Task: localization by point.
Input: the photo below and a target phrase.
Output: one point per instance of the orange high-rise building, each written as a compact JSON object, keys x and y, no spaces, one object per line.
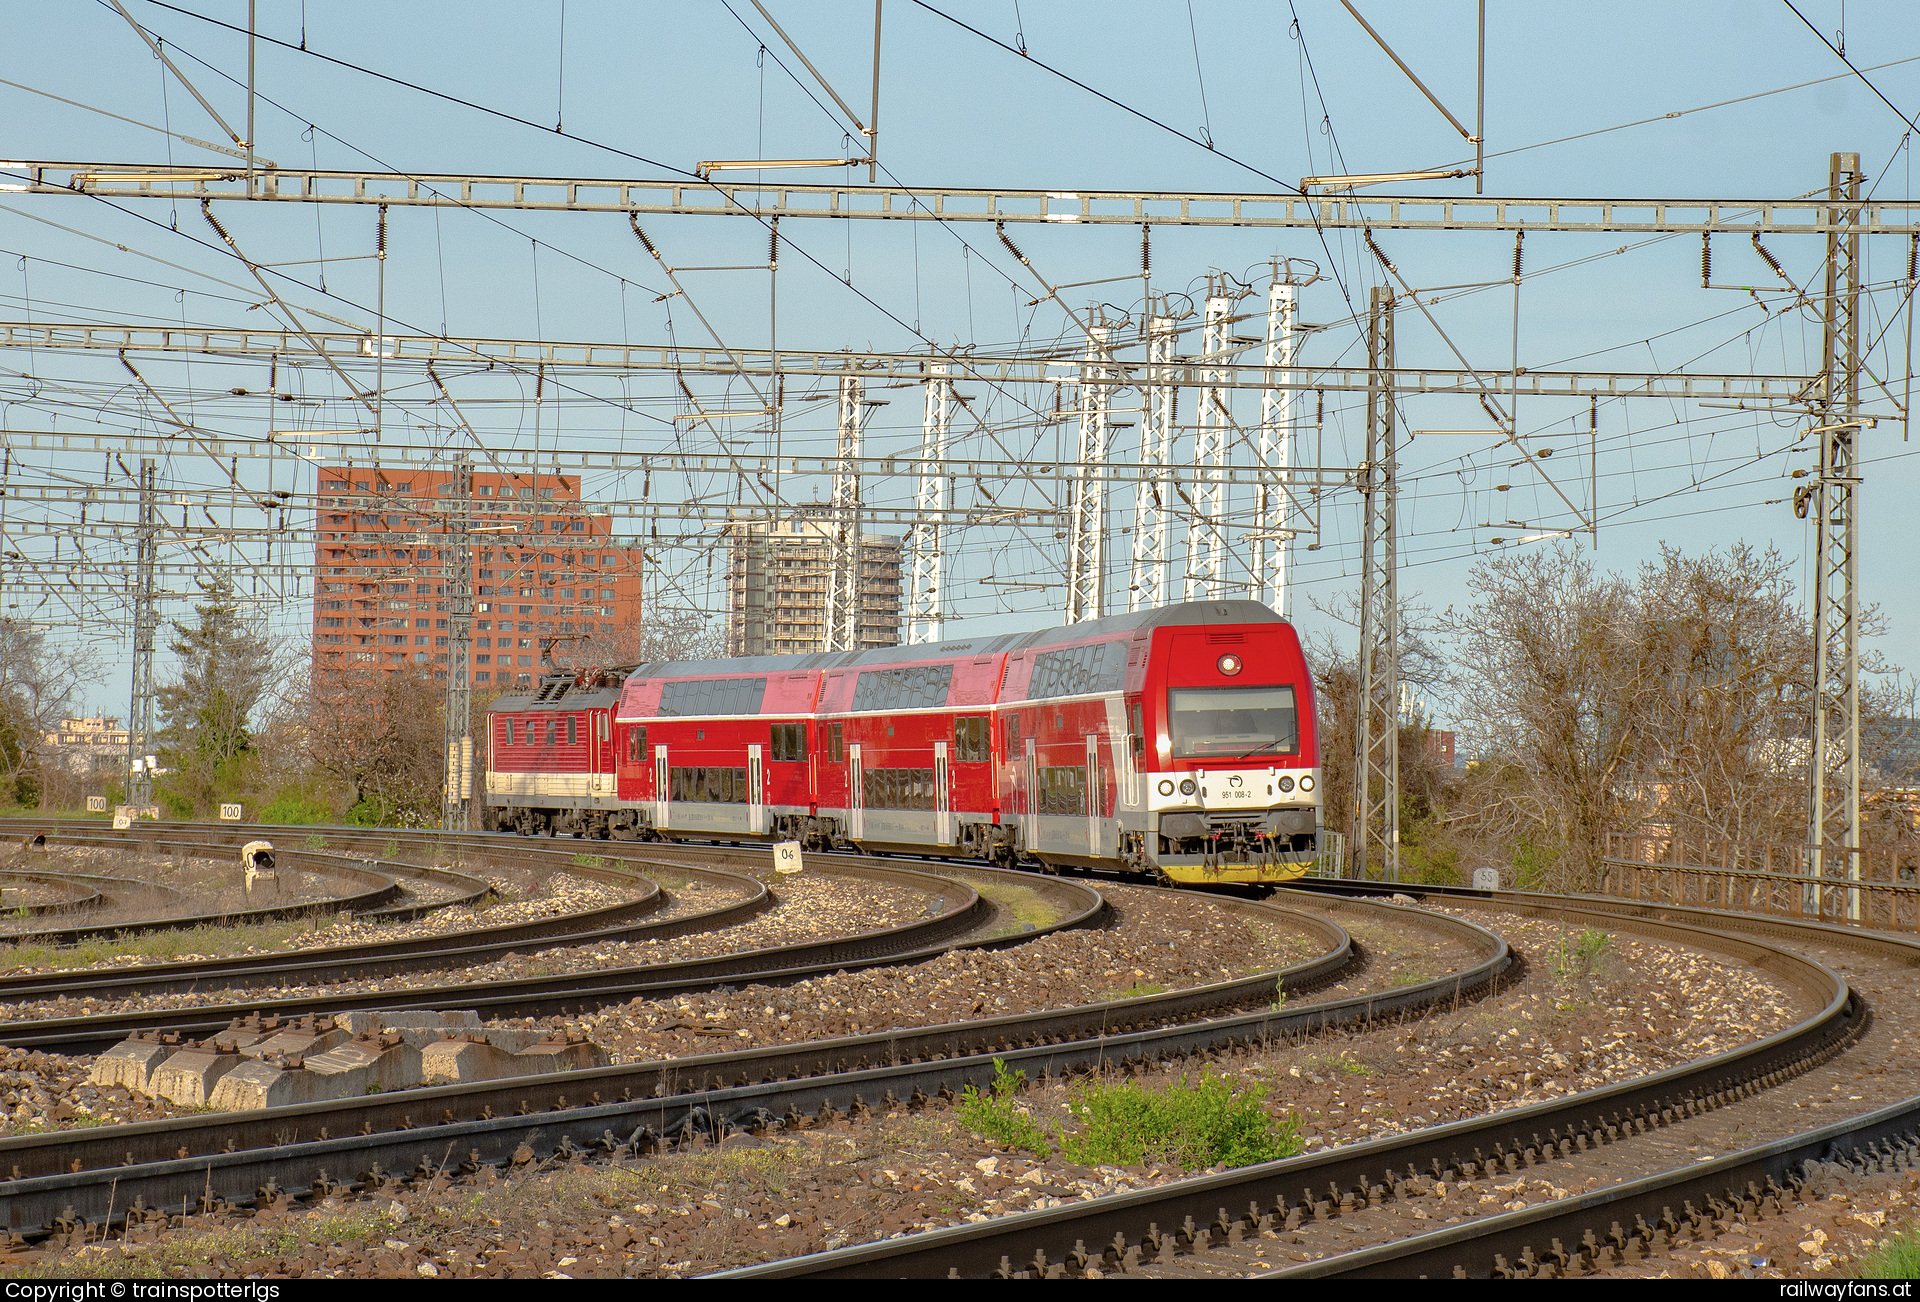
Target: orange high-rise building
{"x":544,"y":565}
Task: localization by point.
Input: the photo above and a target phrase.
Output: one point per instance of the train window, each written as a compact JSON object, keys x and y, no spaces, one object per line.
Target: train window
{"x":1063,"y":790}
{"x":970,"y":739}
{"x":553,"y":731}
{"x":603,"y":724}
{"x":1139,"y":732}
{"x":510,"y":731}
{"x":1013,"y":734}
{"x":1079,"y":671}
{"x":573,"y":731}
{"x":708,"y":785}
{"x":1208,"y":721}
{"x":899,"y":789}
{"x":637,"y":745}
{"x":836,"y":745}
{"x":712,"y":696}
{"x":789,"y":741}
{"x":923,"y":687}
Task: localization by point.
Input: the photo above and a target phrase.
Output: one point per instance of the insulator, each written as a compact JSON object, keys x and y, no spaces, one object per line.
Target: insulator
{"x":380,"y":233}
{"x":1519,"y":241}
{"x":206,"y":210}
{"x":773,"y":243}
{"x":1387,"y":262}
{"x":1146,"y":250}
{"x":1593,"y":414}
{"x":1913,"y":259}
{"x":1000,"y":229}
{"x":634,"y":219}
{"x":1706,"y":259}
{"x":1774,"y":262}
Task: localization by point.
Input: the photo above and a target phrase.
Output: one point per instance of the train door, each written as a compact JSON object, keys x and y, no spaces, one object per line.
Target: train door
{"x":856,"y":795}
{"x":942,"y":800}
{"x":1096,"y":791}
{"x":756,"y":791}
{"x":662,"y":792}
{"x":1031,"y":820}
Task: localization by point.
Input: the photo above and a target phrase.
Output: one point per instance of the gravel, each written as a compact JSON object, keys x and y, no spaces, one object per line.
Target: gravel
{"x":1159,"y":941}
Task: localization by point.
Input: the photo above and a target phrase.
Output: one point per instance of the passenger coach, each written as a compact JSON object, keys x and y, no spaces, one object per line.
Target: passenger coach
{"x":1177,"y":742}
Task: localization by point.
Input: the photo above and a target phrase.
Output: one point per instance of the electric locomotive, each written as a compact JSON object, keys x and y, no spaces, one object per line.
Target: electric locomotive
{"x":549,"y":756}
{"x":1177,"y":742}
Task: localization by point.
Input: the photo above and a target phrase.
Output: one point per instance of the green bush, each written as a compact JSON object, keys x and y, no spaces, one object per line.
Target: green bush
{"x":1577,"y":956}
{"x":1193,"y":1124}
{"x":994,"y":1115}
{"x":296,"y":807}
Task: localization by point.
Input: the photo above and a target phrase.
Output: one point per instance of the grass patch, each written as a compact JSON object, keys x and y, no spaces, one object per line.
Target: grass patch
{"x":1191,"y":1123}
{"x":590,"y":861}
{"x":1028,"y":906}
{"x":1343,"y":1067}
{"x":1578,"y":956}
{"x":164,"y":945}
{"x":1140,"y":989}
{"x":1897,"y":1258}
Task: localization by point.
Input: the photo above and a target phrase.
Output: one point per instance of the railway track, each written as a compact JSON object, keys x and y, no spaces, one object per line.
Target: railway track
{"x":1210,"y":1226}
{"x":361,"y":1142}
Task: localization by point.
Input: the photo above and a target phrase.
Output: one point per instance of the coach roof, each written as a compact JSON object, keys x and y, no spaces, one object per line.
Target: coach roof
{"x":1184,"y":613}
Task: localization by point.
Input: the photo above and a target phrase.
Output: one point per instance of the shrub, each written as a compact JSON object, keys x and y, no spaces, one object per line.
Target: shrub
{"x":1194,"y":1124}
{"x":297,"y":808}
{"x":996,"y":1116}
{"x":1578,"y":956}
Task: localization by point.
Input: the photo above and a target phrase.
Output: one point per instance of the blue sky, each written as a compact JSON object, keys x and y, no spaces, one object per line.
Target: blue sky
{"x":675,"y":84}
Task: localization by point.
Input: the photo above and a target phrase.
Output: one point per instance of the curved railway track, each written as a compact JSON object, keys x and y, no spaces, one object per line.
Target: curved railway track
{"x":251,"y":1156}
{"x":360,"y":1142}
{"x":1182,"y":1228}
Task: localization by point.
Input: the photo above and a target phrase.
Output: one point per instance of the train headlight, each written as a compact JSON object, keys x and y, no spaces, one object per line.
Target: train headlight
{"x":1286,"y":784}
{"x":1306,"y":783}
{"x":1188,"y":786}
{"x":1166,"y":786}
{"x":1230,"y":664}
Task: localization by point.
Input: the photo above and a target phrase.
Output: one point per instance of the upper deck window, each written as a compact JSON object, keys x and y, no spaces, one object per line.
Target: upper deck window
{"x":1233,"y":721}
{"x":923,"y":687}
{"x":686,"y":696}
{"x":1078,"y":671}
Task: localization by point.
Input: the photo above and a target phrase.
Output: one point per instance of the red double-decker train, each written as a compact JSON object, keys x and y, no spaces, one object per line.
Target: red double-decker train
{"x":1177,"y":743}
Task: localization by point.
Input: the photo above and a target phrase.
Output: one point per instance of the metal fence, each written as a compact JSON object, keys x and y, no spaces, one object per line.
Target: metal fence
{"x":1659,"y":868}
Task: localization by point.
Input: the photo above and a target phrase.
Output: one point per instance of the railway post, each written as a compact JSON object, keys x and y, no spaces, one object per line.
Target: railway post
{"x":1834,"y":768}
{"x":1376,"y":752}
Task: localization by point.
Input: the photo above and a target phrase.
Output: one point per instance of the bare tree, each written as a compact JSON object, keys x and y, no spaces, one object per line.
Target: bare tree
{"x":38,"y":687}
{"x":381,"y":735}
{"x":1551,"y":684}
{"x":1729,"y":657}
{"x":667,"y":633}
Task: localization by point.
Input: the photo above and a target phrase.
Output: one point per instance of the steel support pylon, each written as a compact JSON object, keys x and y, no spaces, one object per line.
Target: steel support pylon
{"x":146,"y":628}
{"x":1834,"y":773}
{"x":843,"y":528}
{"x":1152,"y":516}
{"x":1267,"y":580}
{"x":1087,"y":491}
{"x":1207,"y":529}
{"x":927,"y":562}
{"x":456,"y":809}
{"x":1375,"y":840}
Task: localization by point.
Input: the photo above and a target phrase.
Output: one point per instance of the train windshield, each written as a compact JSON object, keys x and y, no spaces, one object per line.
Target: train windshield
{"x":1211,"y":721}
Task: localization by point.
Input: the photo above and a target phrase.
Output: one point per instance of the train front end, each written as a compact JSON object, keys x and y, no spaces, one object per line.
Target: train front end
{"x":1233,"y":781}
